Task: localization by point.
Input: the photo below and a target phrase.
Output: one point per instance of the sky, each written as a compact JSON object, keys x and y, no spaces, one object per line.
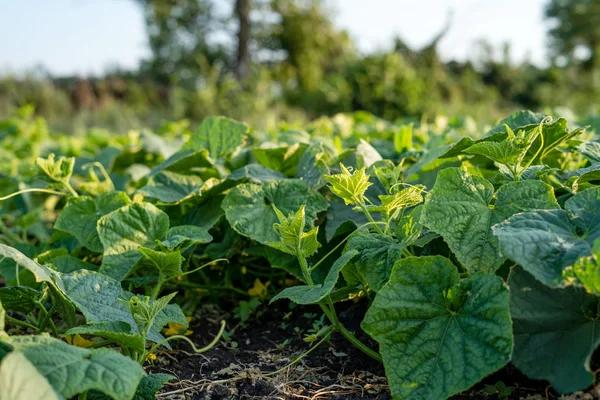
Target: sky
{"x":86,"y":37}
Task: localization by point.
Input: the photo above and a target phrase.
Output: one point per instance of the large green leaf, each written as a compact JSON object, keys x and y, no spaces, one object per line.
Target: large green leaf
{"x":556,"y":331}
{"x":80,"y":217}
{"x":248,"y":207}
{"x":283,"y":159}
{"x":19,"y":380}
{"x":439,"y":335}
{"x":377,"y":254}
{"x":460,"y":208}
{"x":312,"y":294}
{"x":219,"y":135}
{"x":544,"y":243}
{"x":123,"y":231}
{"x":72,"y":370}
{"x":172,"y":188}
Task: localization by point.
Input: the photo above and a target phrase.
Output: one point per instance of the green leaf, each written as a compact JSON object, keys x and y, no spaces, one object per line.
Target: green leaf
{"x":312,"y":294}
{"x":172,"y":188}
{"x":20,"y":380}
{"x":312,"y":166}
{"x":118,"y":332}
{"x":459,"y":207}
{"x":80,"y":217}
{"x":377,"y":255}
{"x":351,"y":187}
{"x":19,"y":298}
{"x":255,"y":173}
{"x":123,"y":231}
{"x":248,"y":207}
{"x":167,"y":263}
{"x":544,"y":243}
{"x":145,"y":310}
{"x":283,"y":159}
{"x":150,"y":385}
{"x":219,"y":135}
{"x":403,"y":138}
{"x":591,"y":150}
{"x":585,"y":272}
{"x":40,"y":273}
{"x":439,"y":335}
{"x":99,"y":298}
{"x":184,"y":162}
{"x":292,"y":238}
{"x":510,"y":151}
{"x":184,"y":236}
{"x":556,"y":332}
{"x":72,"y":370}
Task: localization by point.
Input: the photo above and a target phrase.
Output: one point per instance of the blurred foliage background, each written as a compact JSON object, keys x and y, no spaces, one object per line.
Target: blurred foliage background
{"x":275,"y":60}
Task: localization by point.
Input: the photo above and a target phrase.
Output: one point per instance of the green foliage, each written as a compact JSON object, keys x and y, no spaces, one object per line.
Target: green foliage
{"x":337,"y":204}
{"x":439,"y":335}
{"x":20,"y":380}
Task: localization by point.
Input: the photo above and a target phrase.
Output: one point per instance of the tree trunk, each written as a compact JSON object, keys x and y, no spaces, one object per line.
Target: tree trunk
{"x":242,"y":9}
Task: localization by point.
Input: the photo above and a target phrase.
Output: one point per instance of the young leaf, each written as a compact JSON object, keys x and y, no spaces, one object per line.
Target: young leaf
{"x":544,"y":243}
{"x":439,"y":335}
{"x":72,"y":370}
{"x":351,"y":187}
{"x":20,"y":380}
{"x":99,"y":298}
{"x":312,"y":294}
{"x":556,"y":332}
{"x":248,"y":207}
{"x":145,"y":311}
{"x":404,"y":198}
{"x":459,"y":207}
{"x":292,"y":238}
{"x":80,"y":217}
{"x":511,"y":151}
{"x":124,"y":230}
{"x":55,"y":170}
{"x":167,"y":263}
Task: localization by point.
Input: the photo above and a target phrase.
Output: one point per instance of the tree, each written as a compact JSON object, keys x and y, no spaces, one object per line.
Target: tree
{"x":576,"y":29}
{"x":179,"y":32}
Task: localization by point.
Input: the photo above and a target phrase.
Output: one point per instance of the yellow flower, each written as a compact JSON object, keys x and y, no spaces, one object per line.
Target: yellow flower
{"x":173,"y":329}
{"x":151,"y":357}
{"x":78,"y":341}
{"x":259,"y":289}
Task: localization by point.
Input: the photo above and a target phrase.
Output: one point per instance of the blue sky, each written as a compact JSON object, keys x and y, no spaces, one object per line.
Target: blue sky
{"x":87,"y":36}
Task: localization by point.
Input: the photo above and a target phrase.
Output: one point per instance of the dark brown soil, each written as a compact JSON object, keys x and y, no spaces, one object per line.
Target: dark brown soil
{"x":334,"y":370}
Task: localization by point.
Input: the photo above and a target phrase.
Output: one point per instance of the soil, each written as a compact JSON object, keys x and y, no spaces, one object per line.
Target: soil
{"x":239,"y":368}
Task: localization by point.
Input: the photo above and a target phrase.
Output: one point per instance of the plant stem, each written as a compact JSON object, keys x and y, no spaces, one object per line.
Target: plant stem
{"x":329,"y":310}
{"x":68,"y":186}
{"x":369,"y":217}
{"x":20,"y":323}
{"x":37,"y":190}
